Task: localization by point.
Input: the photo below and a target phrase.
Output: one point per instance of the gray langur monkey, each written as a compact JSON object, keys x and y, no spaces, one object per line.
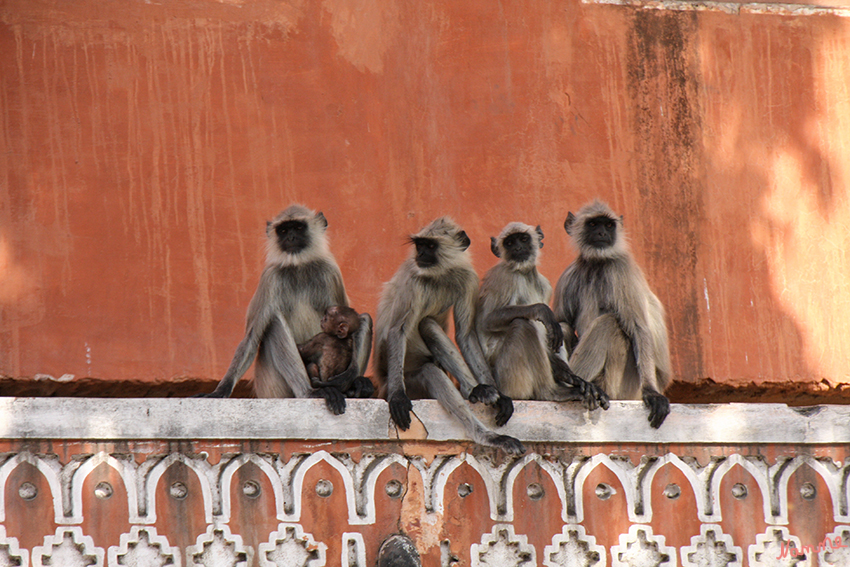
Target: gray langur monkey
{"x":300,"y":281}
{"x":614,"y":324}
{"x":413,"y":352}
{"x":519,"y":333}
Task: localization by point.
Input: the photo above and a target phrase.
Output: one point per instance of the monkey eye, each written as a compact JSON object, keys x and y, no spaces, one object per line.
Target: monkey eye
{"x":591,"y":223}
{"x":610,"y":224}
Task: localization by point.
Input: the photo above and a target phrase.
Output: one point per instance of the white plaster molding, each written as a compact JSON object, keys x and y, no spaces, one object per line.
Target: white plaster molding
{"x":696,"y":476}
{"x":143,"y":547}
{"x":263,"y":463}
{"x":626,"y":473}
{"x":757,"y":468}
{"x":712,"y":548}
{"x":836,"y":548}
{"x":289,"y":546}
{"x":204,"y":472}
{"x":297,"y":483}
{"x":545,"y":422}
{"x":353,"y":550}
{"x":49,"y":467}
{"x":125,"y":468}
{"x":217,"y":547}
{"x":831,"y":473}
{"x":365,"y":473}
{"x":10,"y":548}
{"x":505,"y":502}
{"x":434,"y":479}
{"x":502,"y":547}
{"x":574,"y":548}
{"x":768,"y":549}
{"x":640,"y":548}
{"x":68,"y":547}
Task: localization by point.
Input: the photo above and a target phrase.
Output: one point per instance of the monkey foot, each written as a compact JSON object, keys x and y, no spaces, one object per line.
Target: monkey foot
{"x":506,"y":443}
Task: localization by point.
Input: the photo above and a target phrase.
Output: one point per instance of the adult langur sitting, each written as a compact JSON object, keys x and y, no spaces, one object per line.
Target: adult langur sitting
{"x":300,"y":281}
{"x":613,"y":322}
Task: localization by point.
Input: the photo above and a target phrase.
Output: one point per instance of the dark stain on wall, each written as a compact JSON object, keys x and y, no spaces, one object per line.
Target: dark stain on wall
{"x":662,"y":82}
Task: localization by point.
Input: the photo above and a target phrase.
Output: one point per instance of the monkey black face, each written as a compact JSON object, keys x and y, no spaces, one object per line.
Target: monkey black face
{"x":293,"y":236}
{"x":518,"y":246}
{"x":600,"y":232}
{"x":427,"y":251}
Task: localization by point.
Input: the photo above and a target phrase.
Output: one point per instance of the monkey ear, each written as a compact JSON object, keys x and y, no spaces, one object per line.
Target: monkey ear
{"x":268,"y":227}
{"x":621,"y":219}
{"x":321,"y":218}
{"x":568,"y":224}
{"x":494,"y":248}
{"x":342,"y":329}
{"x":540,"y":235}
{"x":463,"y":239}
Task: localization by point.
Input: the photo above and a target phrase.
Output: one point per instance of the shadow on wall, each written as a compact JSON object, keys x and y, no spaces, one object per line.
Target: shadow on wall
{"x":752,"y":102}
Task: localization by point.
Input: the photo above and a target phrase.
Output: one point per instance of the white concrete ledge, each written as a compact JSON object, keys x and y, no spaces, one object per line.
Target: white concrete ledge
{"x":368,"y":420}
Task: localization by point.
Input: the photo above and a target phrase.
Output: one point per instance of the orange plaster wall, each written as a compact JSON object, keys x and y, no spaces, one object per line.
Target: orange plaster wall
{"x":143,"y":146}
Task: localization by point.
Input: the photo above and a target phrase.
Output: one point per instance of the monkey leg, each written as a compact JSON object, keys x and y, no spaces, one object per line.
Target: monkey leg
{"x":280,"y":372}
{"x":448,"y":357}
{"x":267,"y":381}
{"x":441,"y":388}
{"x":521,"y":365}
{"x":601,"y":356}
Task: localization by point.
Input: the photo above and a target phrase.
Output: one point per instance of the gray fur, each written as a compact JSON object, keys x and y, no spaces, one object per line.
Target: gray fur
{"x":606,"y":305}
{"x":293,"y":293}
{"x":413,"y":352}
{"x":517,"y":330}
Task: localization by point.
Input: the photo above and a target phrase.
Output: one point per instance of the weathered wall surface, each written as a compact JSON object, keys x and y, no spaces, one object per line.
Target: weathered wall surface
{"x":143,"y":146}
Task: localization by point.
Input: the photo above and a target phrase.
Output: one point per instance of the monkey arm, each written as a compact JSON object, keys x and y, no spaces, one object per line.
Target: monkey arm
{"x":362,"y":345}
{"x":594,"y":396}
{"x":658,"y":404}
{"x":466,"y":337}
{"x":242,"y":359}
{"x":399,"y":403}
{"x":451,"y":360}
{"x":260,"y":313}
{"x":447,"y":355}
{"x":499,"y":319}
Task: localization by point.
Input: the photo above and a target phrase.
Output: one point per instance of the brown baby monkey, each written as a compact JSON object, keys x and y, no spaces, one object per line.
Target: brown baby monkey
{"x":329,"y":353}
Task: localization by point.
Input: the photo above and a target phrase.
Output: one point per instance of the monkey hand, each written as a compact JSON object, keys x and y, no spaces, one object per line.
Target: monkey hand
{"x":344,"y":380}
{"x":508,"y":444}
{"x":490,"y":395}
{"x":334,"y":399}
{"x":400,"y":408}
{"x":484,"y":394}
{"x":659,"y":407}
{"x":554,"y":333}
{"x":361,"y":387}
{"x":594,"y":396}
{"x":504,"y":410}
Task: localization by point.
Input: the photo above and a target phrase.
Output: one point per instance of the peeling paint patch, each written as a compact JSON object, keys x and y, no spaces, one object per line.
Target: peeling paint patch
{"x":364,"y":31}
